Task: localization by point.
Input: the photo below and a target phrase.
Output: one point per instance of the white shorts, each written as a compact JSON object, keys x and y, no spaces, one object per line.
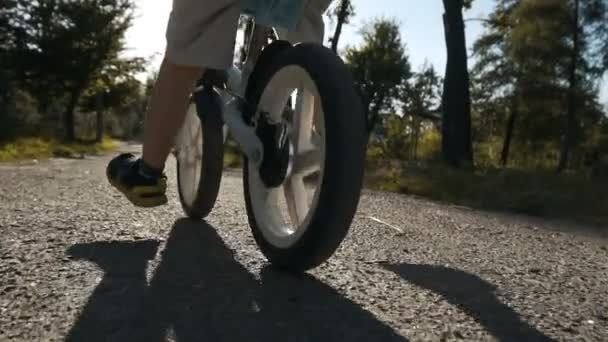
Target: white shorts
{"x":203,"y":32}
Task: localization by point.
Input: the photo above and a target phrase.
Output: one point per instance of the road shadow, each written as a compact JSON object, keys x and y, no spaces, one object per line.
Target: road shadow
{"x":473,"y":295}
{"x":121,"y":289}
{"x":200,"y":292}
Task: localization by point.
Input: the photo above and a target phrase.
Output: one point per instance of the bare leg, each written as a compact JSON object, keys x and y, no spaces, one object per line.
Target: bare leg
{"x":167,"y":110}
{"x":200,"y":35}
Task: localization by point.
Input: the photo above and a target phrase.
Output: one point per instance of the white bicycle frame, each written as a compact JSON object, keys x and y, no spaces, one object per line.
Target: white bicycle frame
{"x":267,"y":14}
{"x":232,"y":104}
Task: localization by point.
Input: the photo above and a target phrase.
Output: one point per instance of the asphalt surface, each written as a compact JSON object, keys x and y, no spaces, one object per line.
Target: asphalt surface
{"x":79,"y":263}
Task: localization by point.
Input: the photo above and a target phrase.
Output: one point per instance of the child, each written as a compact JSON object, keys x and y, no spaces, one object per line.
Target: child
{"x":200,"y":34}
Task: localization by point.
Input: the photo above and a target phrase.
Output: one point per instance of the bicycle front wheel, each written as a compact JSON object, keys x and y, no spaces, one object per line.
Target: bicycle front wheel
{"x":302,"y":199}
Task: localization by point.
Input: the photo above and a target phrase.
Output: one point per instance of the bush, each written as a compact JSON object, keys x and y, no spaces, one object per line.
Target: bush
{"x":18,"y":115}
{"x":233,"y":157}
{"x":40,"y":148}
{"x":429,"y":146}
{"x":535,"y":192}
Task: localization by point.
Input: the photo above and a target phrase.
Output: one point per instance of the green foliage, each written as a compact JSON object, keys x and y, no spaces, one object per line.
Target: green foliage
{"x":423,"y":93}
{"x":522,"y":72}
{"x":421,"y":97}
{"x":418,"y":96}
{"x":42,"y":148}
{"x":64,"y":52}
{"x":397,"y":141}
{"x":17,"y":115}
{"x":233,"y":157}
{"x":429,"y":146}
{"x":379,"y":65}
{"x":540,"y":193}
{"x":343,"y":11}
{"x":335,"y":10}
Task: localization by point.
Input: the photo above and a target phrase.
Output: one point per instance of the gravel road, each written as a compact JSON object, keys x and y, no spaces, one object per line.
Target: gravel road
{"x":79,"y":263}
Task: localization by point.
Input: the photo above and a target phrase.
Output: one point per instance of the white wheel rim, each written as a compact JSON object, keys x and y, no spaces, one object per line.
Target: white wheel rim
{"x":189,"y":153}
{"x":307,"y":134}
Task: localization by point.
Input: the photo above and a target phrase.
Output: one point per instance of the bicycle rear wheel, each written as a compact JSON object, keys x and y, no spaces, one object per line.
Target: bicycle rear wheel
{"x":200,"y":155}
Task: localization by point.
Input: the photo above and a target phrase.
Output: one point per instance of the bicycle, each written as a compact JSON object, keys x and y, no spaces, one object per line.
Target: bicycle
{"x":298,"y":121}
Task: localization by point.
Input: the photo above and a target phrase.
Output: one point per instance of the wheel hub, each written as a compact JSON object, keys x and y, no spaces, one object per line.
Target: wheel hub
{"x":277,"y":148}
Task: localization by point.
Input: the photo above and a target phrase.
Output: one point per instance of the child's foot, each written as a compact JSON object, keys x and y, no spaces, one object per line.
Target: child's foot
{"x":143,"y":186}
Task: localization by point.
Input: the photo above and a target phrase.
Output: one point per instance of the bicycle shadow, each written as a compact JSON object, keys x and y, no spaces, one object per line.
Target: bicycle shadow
{"x":199,"y":292}
{"x":475,"y":296}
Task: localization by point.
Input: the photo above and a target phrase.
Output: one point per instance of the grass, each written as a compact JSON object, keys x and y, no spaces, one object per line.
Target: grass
{"x":233,"y":158}
{"x":541,"y":193}
{"x":538,"y":193}
{"x":41,"y":148}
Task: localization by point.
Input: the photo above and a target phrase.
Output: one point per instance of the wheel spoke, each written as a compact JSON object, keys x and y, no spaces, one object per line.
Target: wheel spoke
{"x":271,"y":199}
{"x":276,"y":96}
{"x":191,"y":142}
{"x":296,"y":196}
{"x":307,"y":155}
{"x":197,"y":143}
{"x":190,"y":154}
{"x":303,"y":119}
{"x":307,"y":162}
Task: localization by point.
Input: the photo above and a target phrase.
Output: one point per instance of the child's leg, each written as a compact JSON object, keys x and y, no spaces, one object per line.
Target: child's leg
{"x":200,"y":34}
{"x":166,"y":111}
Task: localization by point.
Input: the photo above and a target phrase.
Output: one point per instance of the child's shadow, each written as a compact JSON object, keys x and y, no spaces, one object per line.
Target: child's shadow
{"x":199,"y":292}
{"x":120,"y":291}
{"x":475,"y":296}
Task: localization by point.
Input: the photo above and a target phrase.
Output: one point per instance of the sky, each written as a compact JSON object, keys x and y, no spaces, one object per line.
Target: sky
{"x":421,"y":28}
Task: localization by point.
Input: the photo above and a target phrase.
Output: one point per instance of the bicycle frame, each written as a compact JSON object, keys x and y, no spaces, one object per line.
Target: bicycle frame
{"x":267,"y":15}
{"x":233,"y":100}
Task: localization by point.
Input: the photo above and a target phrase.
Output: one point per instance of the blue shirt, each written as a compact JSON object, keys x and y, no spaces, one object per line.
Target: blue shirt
{"x":275,"y":13}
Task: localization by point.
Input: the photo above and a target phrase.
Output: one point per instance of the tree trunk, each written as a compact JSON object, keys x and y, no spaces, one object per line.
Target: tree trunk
{"x":68,"y":119}
{"x":373,"y":113}
{"x":99,"y":121}
{"x":572,"y":85}
{"x":416,"y":123}
{"x":342,"y":15}
{"x":456,"y":127}
{"x":506,"y":146}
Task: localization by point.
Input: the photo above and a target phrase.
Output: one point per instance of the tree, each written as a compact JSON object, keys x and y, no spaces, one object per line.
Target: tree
{"x":379,"y":66}
{"x":456,"y":126}
{"x":7,"y":15}
{"x":69,"y":45}
{"x":101,"y":26}
{"x":588,"y":24}
{"x":524,"y":71}
{"x":420,"y":99}
{"x":495,"y":78}
{"x":114,"y":88}
{"x":17,"y":106}
{"x":343,"y":12}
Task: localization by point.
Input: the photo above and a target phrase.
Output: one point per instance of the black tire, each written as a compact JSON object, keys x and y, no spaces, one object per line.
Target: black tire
{"x":345,"y":143}
{"x":213,"y":157}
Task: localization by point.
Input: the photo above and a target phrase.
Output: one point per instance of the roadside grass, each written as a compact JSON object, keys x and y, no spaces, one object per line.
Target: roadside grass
{"x":43,"y":148}
{"x":233,"y":158}
{"x":538,"y":193}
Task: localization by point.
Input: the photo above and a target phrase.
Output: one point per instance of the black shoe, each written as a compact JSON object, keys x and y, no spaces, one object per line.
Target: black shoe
{"x":144,"y":189}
